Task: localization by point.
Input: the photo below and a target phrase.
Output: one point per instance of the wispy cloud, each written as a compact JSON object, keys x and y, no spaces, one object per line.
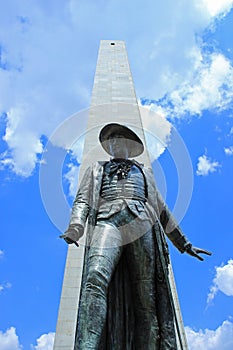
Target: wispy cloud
{"x":4,"y":286}
{"x":221,"y":338}
{"x":228,"y":151}
{"x":223,"y":281}
{"x":9,"y":340}
{"x":205,"y":166}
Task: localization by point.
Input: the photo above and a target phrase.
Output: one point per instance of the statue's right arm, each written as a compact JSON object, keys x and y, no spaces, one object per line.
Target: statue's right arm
{"x":80,"y":209}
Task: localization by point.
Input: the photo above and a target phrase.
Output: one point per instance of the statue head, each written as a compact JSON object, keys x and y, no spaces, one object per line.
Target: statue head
{"x":120,"y":141}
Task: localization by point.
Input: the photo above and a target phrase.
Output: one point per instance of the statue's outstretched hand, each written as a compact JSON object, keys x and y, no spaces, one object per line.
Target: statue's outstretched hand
{"x":71,"y":235}
{"x":194,"y":251}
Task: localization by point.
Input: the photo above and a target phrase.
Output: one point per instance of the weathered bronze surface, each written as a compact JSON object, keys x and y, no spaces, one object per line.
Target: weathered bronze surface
{"x":125,"y":301}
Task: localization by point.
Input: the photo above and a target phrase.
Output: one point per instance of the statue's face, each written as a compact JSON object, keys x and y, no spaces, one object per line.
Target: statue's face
{"x":118,"y":146}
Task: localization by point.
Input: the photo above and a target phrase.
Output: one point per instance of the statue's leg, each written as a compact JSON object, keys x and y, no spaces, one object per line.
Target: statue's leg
{"x":101,"y":265}
{"x":141,"y":260}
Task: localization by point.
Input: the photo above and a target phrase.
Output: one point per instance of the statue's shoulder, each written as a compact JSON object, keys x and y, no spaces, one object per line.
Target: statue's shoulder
{"x":143,"y":166}
{"x":98,"y":166}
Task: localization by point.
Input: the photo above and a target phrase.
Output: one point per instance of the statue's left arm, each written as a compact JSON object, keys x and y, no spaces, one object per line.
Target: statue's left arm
{"x":169,"y":224}
{"x":174,"y":232}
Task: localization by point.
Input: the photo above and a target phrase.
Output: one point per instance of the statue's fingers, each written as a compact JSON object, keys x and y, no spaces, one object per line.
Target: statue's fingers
{"x":199,"y":257}
{"x":207,"y":252}
{"x":69,"y":240}
{"x":203,"y":251}
{"x":194,"y":252}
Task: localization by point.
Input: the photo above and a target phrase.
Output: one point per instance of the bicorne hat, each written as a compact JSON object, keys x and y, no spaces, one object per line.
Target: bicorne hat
{"x":135,"y":147}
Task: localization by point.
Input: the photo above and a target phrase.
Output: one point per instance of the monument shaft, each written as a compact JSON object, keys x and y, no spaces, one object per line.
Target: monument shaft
{"x":113,"y":100}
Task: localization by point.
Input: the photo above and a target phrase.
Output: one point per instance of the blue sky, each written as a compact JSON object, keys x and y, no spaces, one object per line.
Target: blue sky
{"x":181,"y":57}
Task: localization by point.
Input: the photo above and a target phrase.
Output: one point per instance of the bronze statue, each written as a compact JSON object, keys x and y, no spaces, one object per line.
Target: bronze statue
{"x":125,"y":300}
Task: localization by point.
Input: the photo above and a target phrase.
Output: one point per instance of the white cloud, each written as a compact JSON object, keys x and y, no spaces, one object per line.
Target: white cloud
{"x":216,"y":7}
{"x":157,"y":129}
{"x":39,"y":83}
{"x":9,"y":340}
{"x":23,"y":151}
{"x":72,"y":177}
{"x":219,"y":339}
{"x":48,"y":57}
{"x":205,"y":166}
{"x":1,"y":253}
{"x":45,"y":342}
{"x":228,"y":151}
{"x":223,"y":281}
{"x":210,"y":88}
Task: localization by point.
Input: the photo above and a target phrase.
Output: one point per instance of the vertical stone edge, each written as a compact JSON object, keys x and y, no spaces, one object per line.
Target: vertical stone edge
{"x":68,"y":309}
{"x":181,"y":338}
